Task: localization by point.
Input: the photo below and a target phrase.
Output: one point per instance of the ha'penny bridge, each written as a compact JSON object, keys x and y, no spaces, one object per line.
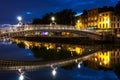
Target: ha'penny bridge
{"x":25,"y":30}
{"x":33,"y":30}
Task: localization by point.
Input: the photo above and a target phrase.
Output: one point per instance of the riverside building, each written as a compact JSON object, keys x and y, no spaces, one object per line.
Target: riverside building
{"x":99,"y":19}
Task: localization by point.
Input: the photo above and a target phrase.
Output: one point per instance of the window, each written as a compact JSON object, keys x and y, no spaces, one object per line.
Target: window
{"x":103,"y":27}
{"x":95,"y":18}
{"x":100,"y":14}
{"x":100,"y":25}
{"x":100,"y":19}
{"x":117,"y":53}
{"x":118,"y":19}
{"x":92,"y":18}
{"x":114,"y":25}
{"x":106,"y":14}
{"x":111,"y":18}
{"x":89,"y":18}
{"x":114,"y":18}
{"x":117,"y":59}
{"x":106,"y":54}
{"x":106,"y":25}
{"x":118,"y":25}
{"x":111,"y":54}
{"x":106,"y":19}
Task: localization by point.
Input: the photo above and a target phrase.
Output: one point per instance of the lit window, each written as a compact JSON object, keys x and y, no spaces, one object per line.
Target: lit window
{"x":92,"y":18}
{"x":100,"y":14}
{"x":106,"y":19}
{"x":95,"y":18}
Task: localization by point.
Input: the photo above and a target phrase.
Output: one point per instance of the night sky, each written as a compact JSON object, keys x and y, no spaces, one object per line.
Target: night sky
{"x":30,"y":9}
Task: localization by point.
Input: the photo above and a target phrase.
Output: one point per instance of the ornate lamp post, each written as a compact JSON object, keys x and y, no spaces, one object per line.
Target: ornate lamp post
{"x":53,"y":21}
{"x":19,"y":18}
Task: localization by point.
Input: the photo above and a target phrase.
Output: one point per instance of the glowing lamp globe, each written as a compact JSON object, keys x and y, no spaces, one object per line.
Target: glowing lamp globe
{"x":19,"y":18}
{"x":52,"y":18}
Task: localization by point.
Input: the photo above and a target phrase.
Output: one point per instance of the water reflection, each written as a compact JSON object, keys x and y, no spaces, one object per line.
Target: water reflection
{"x":51,"y":51}
{"x":21,"y":76}
{"x":101,"y":64}
{"x":107,"y":59}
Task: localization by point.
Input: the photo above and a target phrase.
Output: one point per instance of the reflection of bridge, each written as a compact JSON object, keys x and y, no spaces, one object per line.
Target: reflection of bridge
{"x":30,"y":65}
{"x":34,"y":65}
{"x":36,"y":29}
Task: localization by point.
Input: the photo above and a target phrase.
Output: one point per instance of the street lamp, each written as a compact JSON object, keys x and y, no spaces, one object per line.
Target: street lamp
{"x":53,"y":18}
{"x":19,"y":18}
{"x":53,"y":21}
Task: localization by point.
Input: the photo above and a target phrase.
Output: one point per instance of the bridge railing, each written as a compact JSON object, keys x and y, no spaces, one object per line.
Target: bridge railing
{"x":36,"y":27}
{"x":13,"y":29}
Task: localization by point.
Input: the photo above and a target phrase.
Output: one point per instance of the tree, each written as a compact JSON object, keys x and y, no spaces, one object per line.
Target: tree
{"x":117,"y":8}
{"x":37,"y":21}
{"x":85,"y":12}
{"x":64,"y":17}
{"x":47,"y":18}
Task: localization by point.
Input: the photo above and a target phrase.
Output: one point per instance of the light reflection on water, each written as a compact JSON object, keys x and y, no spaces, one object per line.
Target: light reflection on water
{"x":82,"y":73}
{"x":50,"y":51}
{"x":103,"y":65}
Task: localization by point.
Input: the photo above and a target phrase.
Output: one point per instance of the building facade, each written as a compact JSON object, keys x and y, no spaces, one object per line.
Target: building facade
{"x":92,"y":18}
{"x":104,"y":20}
{"x":108,"y":20}
{"x":101,"y":19}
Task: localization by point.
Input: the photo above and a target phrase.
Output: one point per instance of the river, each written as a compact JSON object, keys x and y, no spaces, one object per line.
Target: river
{"x":21,"y":60}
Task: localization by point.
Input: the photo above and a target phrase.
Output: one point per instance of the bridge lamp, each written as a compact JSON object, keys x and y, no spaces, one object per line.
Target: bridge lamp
{"x":19,"y":18}
{"x":53,"y":21}
{"x":53,"y":18}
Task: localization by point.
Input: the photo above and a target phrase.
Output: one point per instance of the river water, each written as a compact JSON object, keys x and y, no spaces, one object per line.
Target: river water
{"x":102,"y":65}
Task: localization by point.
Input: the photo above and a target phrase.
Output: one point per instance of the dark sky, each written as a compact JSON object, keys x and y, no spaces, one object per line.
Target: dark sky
{"x":30,"y":9}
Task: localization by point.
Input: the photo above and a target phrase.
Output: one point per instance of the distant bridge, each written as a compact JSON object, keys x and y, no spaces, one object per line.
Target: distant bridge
{"x":24,"y":30}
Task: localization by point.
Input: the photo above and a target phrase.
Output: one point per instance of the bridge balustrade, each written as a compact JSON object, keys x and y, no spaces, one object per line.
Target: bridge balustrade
{"x":26,"y":28}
